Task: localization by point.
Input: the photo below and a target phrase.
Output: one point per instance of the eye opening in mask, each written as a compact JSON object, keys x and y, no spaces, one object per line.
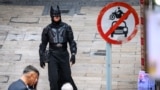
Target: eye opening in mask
{"x":56,"y":15}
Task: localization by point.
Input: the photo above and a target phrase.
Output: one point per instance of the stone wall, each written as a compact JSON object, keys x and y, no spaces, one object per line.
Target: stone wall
{"x":81,"y":2}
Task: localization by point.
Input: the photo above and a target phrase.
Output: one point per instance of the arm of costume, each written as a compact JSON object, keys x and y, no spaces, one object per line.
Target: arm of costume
{"x":72,"y":43}
{"x":44,"y":39}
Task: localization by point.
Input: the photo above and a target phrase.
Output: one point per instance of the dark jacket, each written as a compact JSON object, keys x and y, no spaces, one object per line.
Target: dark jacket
{"x":18,"y":85}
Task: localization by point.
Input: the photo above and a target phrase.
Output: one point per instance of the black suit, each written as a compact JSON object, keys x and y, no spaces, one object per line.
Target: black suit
{"x":18,"y":85}
{"x":58,"y":36}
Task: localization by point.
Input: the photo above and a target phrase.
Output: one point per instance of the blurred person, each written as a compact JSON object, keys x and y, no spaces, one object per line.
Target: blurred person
{"x":58,"y":34}
{"x":67,"y":86}
{"x":28,"y":80}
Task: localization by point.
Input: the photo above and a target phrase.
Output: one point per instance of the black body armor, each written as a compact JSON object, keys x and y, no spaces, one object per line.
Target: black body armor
{"x":57,"y":37}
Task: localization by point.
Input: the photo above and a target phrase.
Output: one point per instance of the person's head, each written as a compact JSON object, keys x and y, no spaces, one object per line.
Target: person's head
{"x":67,"y":86}
{"x":31,"y":75}
{"x":55,"y":14}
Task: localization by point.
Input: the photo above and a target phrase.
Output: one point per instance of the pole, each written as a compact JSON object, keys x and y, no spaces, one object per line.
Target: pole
{"x":142,"y":19}
{"x":108,"y":67}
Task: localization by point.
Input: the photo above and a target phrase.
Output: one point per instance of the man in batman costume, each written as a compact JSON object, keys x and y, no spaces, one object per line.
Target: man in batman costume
{"x":58,"y":34}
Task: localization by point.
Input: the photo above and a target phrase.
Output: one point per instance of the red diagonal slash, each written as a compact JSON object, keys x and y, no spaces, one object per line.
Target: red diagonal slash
{"x":125,"y":15}
{"x":130,"y":11}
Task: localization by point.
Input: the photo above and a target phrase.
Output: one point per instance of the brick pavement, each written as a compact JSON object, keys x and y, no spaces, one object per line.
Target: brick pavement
{"x":20,"y":31}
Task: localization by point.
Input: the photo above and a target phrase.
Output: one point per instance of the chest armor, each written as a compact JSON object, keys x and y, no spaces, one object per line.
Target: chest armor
{"x":58,"y":35}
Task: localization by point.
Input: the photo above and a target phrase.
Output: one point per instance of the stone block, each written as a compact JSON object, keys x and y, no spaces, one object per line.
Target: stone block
{"x":15,"y":36}
{"x":10,"y":57}
{"x":24,"y":20}
{"x":4,"y":78}
{"x":32,"y":37}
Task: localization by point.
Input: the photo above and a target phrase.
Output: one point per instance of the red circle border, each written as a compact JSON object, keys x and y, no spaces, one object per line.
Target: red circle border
{"x":107,"y":7}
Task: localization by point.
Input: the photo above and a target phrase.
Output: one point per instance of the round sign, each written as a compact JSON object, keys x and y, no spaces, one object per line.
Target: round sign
{"x":117,"y":22}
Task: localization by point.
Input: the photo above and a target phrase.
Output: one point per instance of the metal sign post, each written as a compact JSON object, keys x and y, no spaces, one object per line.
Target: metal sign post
{"x":108,"y":67}
{"x":117,"y":24}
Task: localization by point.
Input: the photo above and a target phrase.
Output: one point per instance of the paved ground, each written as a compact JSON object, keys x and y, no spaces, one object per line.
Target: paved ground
{"x":20,"y":31}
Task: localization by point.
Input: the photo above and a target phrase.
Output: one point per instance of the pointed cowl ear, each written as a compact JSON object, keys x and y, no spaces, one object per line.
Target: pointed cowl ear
{"x":51,"y":11}
{"x":58,"y":10}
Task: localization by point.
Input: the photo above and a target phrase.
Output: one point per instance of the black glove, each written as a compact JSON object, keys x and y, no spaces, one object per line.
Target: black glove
{"x":42,"y":61}
{"x":73,"y":59}
{"x":42,"y":64}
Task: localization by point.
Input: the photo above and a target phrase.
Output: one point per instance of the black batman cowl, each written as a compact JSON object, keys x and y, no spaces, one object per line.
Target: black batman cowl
{"x":54,"y":13}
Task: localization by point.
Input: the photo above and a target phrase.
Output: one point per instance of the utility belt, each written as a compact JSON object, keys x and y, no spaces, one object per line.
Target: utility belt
{"x":58,"y":47}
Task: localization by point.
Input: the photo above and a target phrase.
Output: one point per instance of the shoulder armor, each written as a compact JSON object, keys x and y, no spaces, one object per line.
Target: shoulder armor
{"x":48,"y":27}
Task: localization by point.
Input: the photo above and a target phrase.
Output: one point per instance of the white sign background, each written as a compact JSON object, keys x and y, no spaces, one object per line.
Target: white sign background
{"x":107,"y":23}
